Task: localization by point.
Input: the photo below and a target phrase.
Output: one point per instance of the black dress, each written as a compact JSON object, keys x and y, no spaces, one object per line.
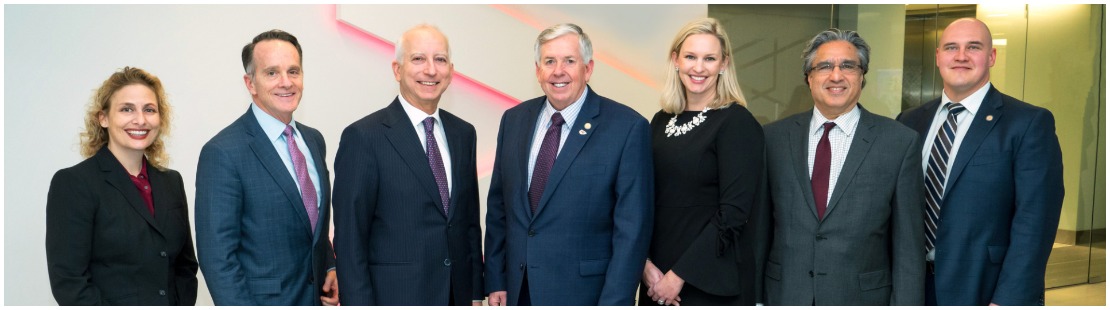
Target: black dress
{"x":706,"y":184}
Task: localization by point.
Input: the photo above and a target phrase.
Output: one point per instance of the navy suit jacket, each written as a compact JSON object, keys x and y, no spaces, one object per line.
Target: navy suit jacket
{"x":254,"y":240}
{"x":395,"y":245}
{"x":1001,"y":205}
{"x":588,"y":241}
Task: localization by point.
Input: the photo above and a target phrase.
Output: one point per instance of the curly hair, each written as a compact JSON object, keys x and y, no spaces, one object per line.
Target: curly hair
{"x":96,"y":137}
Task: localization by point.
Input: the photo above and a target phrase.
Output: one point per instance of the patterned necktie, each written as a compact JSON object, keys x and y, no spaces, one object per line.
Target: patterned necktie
{"x":937,"y":172}
{"x":544,"y":160}
{"x":436,"y":162}
{"x":308,"y":190}
{"x":819,"y":181}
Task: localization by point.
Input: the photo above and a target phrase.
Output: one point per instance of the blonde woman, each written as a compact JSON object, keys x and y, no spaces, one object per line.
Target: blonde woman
{"x":708,"y":154}
{"x":117,"y":224}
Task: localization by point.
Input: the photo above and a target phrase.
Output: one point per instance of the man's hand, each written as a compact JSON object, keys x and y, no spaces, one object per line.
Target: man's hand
{"x":476,"y":303}
{"x":498,"y":298}
{"x":331,"y":290}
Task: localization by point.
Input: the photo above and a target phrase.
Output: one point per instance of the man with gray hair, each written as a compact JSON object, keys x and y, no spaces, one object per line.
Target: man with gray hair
{"x":846,"y":190}
{"x":406,"y":192}
{"x":570,"y":203}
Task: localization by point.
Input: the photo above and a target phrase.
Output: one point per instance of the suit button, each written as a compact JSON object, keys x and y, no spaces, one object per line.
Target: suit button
{"x":447,"y":262}
{"x":820,"y":237}
{"x":163,"y":254}
{"x":531,"y":233}
{"x":162,"y":292}
{"x":521,"y":266}
{"x":449,"y":225}
{"x":811,"y":273}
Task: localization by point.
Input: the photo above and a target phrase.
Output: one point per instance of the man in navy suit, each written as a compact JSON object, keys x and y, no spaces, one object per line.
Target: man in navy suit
{"x":569,"y":214}
{"x":262,"y":192}
{"x":995,"y":194}
{"x":406,"y":192}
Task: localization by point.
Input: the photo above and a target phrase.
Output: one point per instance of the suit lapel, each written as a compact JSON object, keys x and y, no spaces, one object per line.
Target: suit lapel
{"x":569,"y":152}
{"x":317,"y":149}
{"x":115,"y":175}
{"x":799,"y":148}
{"x":980,"y":127}
{"x":861,"y":145}
{"x":925,"y":119}
{"x":453,"y":131}
{"x":264,"y":150}
{"x":402,"y":135}
{"x":527,"y":129}
{"x":160,"y":193}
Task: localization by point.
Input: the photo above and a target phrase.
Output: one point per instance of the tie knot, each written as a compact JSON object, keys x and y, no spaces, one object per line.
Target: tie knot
{"x":429,"y":123}
{"x":955,"y":108}
{"x":829,"y":126}
{"x":557,"y":119}
{"x":288,"y":133}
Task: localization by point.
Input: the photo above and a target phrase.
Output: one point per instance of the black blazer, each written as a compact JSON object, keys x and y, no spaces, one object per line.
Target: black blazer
{"x":103,"y":247}
{"x":394,"y":244}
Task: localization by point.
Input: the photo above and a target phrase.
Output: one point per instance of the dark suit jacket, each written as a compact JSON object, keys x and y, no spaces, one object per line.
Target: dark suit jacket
{"x":587,"y":243}
{"x":103,"y":247}
{"x":1001,"y":205}
{"x":869,"y":249}
{"x":394,"y":244}
{"x":254,"y":239}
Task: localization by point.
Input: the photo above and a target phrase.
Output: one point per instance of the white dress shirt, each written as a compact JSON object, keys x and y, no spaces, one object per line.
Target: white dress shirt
{"x":840,"y":140}
{"x":416,"y":117}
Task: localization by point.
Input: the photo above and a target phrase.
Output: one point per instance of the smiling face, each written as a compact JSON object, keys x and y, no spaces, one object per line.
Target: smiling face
{"x":132,"y":120}
{"x":277,"y":79}
{"x":561,"y":71}
{"x":964,"y":57}
{"x":837,"y":91}
{"x":699,"y":62}
{"x":425,"y":68}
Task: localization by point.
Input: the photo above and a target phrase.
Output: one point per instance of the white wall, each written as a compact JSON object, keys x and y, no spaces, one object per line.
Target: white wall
{"x":57,"y":55}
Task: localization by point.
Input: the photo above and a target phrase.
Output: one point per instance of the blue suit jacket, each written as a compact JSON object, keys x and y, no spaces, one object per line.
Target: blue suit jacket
{"x":1001,"y":206}
{"x":254,"y":239}
{"x":587,"y":243}
{"x":395,"y":244}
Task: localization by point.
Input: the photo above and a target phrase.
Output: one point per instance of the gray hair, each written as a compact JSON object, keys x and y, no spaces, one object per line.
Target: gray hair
{"x":399,"y":50}
{"x":863,"y":51}
{"x":584,"y":46}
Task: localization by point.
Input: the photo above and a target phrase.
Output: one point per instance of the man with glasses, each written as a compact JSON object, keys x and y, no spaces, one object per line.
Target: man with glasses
{"x":846,"y":190}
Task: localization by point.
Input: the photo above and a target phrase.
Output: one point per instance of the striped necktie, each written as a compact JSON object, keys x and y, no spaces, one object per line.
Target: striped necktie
{"x":937,"y":172}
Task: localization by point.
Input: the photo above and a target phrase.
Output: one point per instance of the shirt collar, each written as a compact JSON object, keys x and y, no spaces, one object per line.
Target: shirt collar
{"x":845,"y":122}
{"x":570,"y":112}
{"x":971,"y":103}
{"x":270,"y":125}
{"x":416,"y":116}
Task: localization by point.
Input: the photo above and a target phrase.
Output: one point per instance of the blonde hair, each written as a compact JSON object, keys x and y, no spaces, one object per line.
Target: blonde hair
{"x":96,"y":137}
{"x":673,"y":100}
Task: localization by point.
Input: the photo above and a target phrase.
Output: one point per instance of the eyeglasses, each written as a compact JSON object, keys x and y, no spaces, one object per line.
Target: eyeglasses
{"x":849,"y":68}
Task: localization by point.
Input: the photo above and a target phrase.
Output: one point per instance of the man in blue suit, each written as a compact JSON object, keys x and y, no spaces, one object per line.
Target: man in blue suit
{"x":262,"y":192}
{"x":994,"y":177}
{"x":407,"y":226}
{"x":570,"y":204}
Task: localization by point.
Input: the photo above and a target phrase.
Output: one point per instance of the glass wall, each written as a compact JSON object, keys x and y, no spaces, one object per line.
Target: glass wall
{"x":1052,"y":56}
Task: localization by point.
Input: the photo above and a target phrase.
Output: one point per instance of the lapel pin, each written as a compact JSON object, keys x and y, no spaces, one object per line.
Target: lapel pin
{"x":588,"y":126}
{"x":990,"y":118}
{"x":582,"y":132}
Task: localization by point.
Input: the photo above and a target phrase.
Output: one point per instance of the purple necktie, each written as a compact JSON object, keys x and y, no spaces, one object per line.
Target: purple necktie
{"x":308,"y":190}
{"x":544,"y":160}
{"x":436,"y":162}
{"x":820,"y":178}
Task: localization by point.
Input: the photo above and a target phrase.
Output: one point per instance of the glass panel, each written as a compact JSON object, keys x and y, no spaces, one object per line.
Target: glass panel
{"x":1063,"y":49}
